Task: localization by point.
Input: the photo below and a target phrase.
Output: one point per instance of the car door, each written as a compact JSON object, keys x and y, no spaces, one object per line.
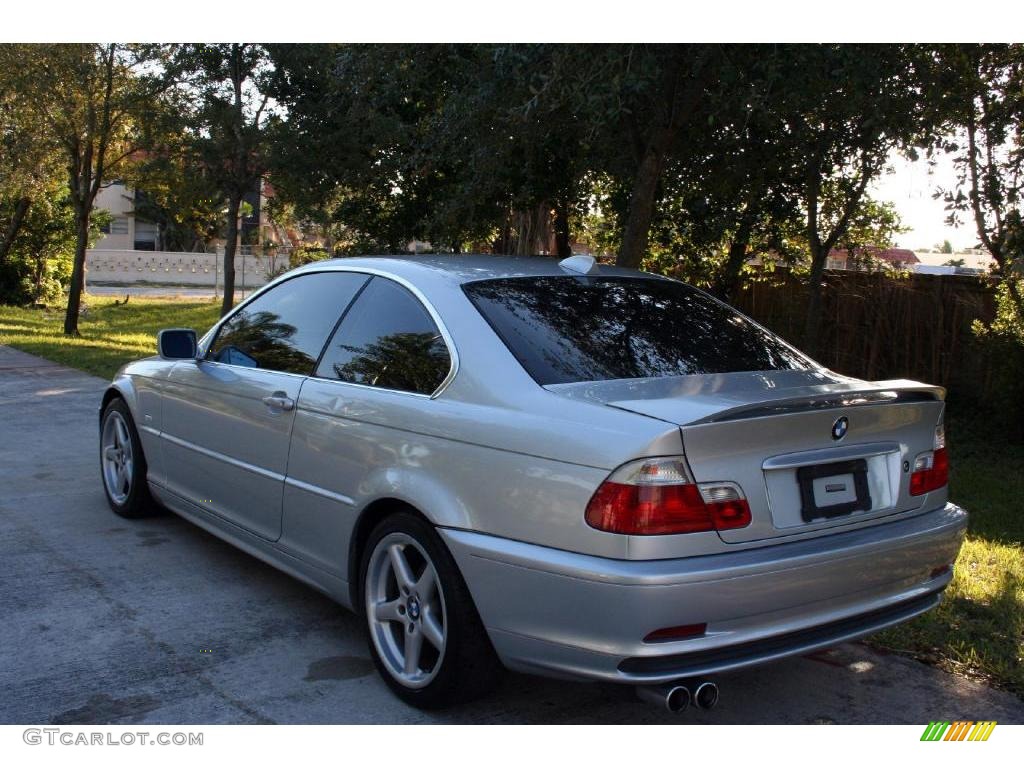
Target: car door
{"x":357,"y":416}
{"x":227,"y":418}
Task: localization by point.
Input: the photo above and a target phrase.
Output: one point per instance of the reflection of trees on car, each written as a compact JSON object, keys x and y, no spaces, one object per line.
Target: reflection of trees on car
{"x":415,"y":362}
{"x":260,"y":336}
{"x":566,"y":329}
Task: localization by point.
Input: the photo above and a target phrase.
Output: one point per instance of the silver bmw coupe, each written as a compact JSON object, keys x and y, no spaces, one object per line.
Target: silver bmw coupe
{"x":555,"y":467}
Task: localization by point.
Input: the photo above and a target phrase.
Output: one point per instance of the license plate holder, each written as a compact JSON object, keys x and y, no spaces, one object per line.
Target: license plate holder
{"x":815,"y":485}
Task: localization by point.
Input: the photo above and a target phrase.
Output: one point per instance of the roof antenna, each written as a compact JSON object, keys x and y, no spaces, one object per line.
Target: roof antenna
{"x":581,"y":263}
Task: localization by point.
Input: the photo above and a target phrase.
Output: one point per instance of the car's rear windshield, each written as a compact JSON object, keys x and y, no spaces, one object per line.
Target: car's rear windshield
{"x":589,"y":328}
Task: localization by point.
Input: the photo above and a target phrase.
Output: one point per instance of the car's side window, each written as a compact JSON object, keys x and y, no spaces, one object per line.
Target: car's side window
{"x":387,"y":339}
{"x":285,"y":328}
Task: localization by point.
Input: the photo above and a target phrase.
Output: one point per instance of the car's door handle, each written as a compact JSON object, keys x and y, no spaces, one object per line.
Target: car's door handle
{"x":280,"y":401}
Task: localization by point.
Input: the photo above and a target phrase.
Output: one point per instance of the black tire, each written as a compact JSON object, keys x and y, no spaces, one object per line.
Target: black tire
{"x":469,"y":667}
{"x":138,"y":501}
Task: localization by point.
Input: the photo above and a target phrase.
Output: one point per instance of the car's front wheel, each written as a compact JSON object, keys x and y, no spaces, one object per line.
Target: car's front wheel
{"x":424,"y":632}
{"x":122,"y":463}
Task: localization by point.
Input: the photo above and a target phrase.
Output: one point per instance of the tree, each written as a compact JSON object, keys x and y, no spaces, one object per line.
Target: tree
{"x":225,"y":84}
{"x":173,"y":187}
{"x":30,"y":165}
{"x":459,"y":144}
{"x":844,"y":108}
{"x":690,"y":158}
{"x":307,"y":191}
{"x":632,"y":108}
{"x":727,"y":195}
{"x":405,"y":126}
{"x":874,"y":224}
{"x":87,"y":100}
{"x":39,"y":263}
{"x":982,"y":92}
{"x":680,"y":85}
{"x":366,"y":108}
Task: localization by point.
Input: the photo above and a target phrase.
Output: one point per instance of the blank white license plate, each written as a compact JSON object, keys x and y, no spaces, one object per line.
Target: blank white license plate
{"x":831,"y":490}
{"x":835,"y":489}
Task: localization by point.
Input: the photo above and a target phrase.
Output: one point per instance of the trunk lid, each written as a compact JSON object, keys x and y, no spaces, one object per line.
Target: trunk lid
{"x":772,"y":434}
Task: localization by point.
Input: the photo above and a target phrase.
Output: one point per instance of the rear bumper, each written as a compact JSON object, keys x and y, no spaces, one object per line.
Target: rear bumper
{"x":577,"y":616}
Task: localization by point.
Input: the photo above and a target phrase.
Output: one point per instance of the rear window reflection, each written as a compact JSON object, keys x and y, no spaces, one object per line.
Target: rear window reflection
{"x":569,"y":329}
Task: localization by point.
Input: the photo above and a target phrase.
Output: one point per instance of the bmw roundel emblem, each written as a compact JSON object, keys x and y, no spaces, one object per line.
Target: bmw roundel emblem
{"x":839,"y":428}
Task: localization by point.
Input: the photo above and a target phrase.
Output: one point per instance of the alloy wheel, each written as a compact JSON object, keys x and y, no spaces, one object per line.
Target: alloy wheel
{"x":118,"y":465}
{"x":405,"y":610}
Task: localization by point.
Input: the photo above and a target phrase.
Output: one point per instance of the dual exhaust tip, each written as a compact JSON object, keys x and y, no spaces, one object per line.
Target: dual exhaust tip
{"x":677,"y":697}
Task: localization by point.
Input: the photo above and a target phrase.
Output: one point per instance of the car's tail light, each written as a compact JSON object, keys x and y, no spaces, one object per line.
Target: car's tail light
{"x":658,"y":496}
{"x":931,"y":469}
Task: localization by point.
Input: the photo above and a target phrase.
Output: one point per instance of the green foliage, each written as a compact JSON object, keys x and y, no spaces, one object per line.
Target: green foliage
{"x":502,"y":146}
{"x":980,"y":89}
{"x":225,"y":110}
{"x":224,"y":119}
{"x":173,"y":189}
{"x":39,"y":264}
{"x":306,"y":255}
{"x":86,"y":103}
{"x":406,"y":136}
{"x":1003,"y":340}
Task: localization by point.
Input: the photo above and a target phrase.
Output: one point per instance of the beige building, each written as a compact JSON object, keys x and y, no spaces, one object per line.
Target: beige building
{"x":125,"y":232}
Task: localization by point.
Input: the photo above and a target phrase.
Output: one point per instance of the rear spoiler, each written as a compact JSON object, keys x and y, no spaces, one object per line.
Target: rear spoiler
{"x":899,"y":391}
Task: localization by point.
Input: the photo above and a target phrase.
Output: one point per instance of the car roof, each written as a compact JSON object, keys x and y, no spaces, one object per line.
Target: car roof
{"x":464,"y":268}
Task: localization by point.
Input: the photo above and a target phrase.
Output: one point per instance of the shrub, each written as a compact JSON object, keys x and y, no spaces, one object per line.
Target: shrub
{"x":306,"y":254}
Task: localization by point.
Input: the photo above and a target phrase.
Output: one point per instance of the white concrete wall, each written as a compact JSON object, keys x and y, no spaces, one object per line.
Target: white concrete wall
{"x":126,"y":266}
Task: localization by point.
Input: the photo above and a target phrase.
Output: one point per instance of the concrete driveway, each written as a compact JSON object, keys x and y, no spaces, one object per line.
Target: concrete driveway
{"x":104,"y":620}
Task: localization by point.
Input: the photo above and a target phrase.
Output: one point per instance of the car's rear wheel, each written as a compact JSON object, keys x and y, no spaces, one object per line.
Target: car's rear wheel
{"x":424,"y":632}
{"x":122,"y":463}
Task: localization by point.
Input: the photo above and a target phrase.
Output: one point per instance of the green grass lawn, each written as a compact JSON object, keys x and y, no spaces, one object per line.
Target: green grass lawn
{"x":112,"y":334}
{"x":978,"y":630}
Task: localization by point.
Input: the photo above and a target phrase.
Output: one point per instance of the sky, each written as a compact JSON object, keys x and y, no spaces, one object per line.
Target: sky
{"x":910,"y":187}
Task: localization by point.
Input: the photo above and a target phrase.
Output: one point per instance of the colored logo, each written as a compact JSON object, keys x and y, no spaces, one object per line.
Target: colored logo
{"x":839,"y":428}
{"x":960,"y":730}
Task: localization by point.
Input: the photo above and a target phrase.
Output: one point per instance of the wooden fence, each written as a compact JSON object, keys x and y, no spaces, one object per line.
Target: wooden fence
{"x":880,"y":327}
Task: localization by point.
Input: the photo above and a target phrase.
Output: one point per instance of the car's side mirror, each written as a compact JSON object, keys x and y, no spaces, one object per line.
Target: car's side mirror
{"x":177,"y":344}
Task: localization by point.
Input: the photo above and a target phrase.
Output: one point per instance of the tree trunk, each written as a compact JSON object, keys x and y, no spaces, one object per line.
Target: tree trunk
{"x":523,"y":232}
{"x":78,"y":271}
{"x":642,"y":199}
{"x":14,"y":227}
{"x":563,"y":247}
{"x":812,"y":323}
{"x":503,"y":245}
{"x":820,"y":247}
{"x":40,"y":272}
{"x":683,"y":94}
{"x":234,"y":203}
{"x":729,"y":282}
